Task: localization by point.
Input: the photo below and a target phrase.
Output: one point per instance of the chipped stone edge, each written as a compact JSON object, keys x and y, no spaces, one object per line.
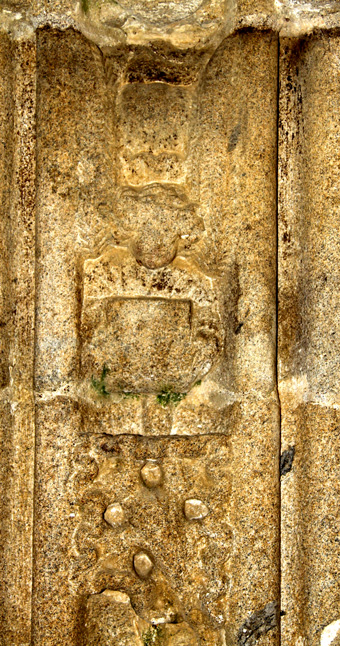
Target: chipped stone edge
{"x":330,"y":633}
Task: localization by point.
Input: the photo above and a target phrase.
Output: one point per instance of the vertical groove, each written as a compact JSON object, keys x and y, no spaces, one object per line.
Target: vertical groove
{"x":34,"y":336}
{"x":21,"y":465}
{"x":277,"y":318}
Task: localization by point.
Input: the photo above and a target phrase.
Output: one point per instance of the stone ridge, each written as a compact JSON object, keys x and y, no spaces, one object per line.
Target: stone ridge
{"x":183,"y":23}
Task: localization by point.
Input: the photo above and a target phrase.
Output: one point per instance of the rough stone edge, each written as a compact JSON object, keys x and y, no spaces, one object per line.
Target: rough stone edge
{"x":287,"y":20}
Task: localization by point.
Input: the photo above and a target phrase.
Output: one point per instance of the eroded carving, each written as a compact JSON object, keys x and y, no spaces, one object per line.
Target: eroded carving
{"x":110,"y":619}
{"x":169,"y":578}
{"x":153,"y":222}
{"x":147,"y":19}
{"x":156,"y":223}
{"x":154,"y":128}
{"x":146,"y":341}
{"x":151,"y":331}
{"x":151,"y":328}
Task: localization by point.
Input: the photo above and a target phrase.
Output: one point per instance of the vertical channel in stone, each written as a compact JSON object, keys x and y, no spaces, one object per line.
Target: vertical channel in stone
{"x":18,"y":258}
{"x":238,"y":203}
{"x":71,"y":176}
{"x":6,"y":159}
{"x":309,"y":327}
{"x":291,"y":290}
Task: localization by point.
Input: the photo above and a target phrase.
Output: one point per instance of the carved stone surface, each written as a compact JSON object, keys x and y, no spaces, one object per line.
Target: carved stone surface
{"x":169,"y":323}
{"x":148,"y":342}
{"x":143,"y":339}
{"x":172,"y":567}
{"x":111,"y":619}
{"x":155,"y":120}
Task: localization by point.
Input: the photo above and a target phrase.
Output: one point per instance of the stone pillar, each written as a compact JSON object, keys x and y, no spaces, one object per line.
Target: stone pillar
{"x":157,"y":419}
{"x":17,"y":159}
{"x":308,"y":337}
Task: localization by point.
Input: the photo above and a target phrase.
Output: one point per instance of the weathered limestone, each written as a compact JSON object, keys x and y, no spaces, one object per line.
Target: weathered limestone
{"x":17,"y":159}
{"x":146,"y":324}
{"x":169,"y":319}
{"x":308,"y":337}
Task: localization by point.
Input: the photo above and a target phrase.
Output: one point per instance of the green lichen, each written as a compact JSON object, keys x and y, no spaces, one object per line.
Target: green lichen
{"x":99,"y":385}
{"x":167,"y":396}
{"x":198,"y":383}
{"x":152,"y":636}
{"x":129,"y":395}
{"x":85,"y":6}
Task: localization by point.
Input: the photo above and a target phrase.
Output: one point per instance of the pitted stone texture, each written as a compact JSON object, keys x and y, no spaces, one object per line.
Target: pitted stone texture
{"x":156,"y":351}
{"x":155,"y":128}
{"x":6,"y":151}
{"x":17,"y":313}
{"x":183,"y":189}
{"x":68,"y":208}
{"x":110,"y":619}
{"x":309,"y":328}
{"x":151,"y":329}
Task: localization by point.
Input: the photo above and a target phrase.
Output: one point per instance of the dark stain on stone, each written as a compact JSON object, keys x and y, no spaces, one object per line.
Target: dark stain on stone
{"x":286,"y":460}
{"x":258,"y":624}
{"x":239,"y":328}
{"x":233,"y":139}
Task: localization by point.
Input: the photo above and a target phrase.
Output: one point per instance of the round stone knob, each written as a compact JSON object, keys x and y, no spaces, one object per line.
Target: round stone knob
{"x":143,"y":564}
{"x":114,"y":514}
{"x":195,"y":509}
{"x":152,"y":474}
